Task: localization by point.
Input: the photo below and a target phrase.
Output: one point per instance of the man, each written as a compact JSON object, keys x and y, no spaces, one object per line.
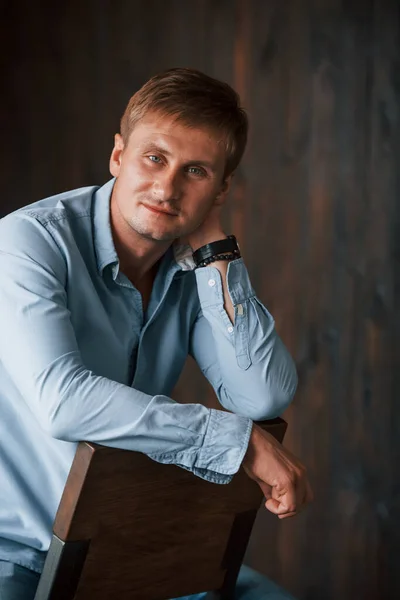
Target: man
{"x":104,"y":292}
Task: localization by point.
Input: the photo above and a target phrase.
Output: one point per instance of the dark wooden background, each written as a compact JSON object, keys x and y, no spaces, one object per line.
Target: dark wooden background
{"x":316,"y":207}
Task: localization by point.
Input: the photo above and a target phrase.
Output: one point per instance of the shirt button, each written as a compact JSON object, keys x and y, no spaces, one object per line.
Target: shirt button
{"x":230,"y":329}
{"x":211,"y":282}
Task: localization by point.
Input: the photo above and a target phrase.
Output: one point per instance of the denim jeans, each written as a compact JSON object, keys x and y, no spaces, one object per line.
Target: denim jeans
{"x":18,"y":583}
{"x":251,"y":585}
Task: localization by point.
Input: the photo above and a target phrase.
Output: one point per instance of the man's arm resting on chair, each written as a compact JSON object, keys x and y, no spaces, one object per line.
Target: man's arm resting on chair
{"x":238,"y":349}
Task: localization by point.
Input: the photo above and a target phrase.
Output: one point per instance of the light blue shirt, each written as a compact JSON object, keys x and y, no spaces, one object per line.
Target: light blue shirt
{"x":81,"y":360}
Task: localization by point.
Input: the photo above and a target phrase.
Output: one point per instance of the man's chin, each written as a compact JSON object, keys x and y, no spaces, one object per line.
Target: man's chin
{"x":150,"y":231}
{"x":157,"y":236}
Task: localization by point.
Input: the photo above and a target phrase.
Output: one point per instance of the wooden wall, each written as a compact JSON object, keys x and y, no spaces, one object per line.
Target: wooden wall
{"x":315,"y":205}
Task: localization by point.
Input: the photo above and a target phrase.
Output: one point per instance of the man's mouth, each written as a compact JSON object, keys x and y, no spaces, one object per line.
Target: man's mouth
{"x":158,"y":209}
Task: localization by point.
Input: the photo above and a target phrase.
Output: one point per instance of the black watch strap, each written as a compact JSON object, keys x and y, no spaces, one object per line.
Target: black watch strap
{"x":227,"y":245}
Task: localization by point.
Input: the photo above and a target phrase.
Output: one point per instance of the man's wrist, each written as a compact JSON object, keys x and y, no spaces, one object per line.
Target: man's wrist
{"x":219,"y":250}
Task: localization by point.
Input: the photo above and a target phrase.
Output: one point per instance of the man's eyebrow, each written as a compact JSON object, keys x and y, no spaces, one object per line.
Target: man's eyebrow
{"x":156,"y":147}
{"x":148,"y":145}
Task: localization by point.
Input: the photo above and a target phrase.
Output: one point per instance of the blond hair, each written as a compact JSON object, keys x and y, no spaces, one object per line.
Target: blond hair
{"x":197,"y":100}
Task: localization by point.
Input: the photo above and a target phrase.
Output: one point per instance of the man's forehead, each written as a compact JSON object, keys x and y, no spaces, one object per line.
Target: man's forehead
{"x":169,"y":131}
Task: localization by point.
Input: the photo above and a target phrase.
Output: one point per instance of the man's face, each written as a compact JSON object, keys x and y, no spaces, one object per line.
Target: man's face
{"x":169,"y":176}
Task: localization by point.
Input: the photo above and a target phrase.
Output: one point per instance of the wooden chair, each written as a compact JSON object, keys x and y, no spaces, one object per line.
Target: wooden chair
{"x":130,"y":528}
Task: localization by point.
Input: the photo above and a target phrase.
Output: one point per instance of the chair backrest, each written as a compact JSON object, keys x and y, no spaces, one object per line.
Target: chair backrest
{"x":129,"y":527}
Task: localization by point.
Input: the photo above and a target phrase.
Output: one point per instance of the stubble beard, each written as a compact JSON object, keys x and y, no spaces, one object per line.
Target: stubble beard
{"x":149,"y":233}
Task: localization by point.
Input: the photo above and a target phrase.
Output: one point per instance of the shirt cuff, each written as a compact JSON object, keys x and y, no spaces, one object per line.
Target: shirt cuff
{"x":225,"y":443}
{"x":209,"y":284}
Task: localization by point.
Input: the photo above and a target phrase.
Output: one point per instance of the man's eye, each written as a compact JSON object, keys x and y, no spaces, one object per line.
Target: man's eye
{"x":195,"y":171}
{"x":154,"y":158}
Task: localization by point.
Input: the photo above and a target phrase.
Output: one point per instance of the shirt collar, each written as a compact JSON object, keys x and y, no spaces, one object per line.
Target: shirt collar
{"x":104,"y":243}
{"x":103,"y":240}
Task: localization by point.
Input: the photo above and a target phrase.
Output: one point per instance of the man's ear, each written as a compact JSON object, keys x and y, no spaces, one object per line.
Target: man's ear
{"x":223,"y":192}
{"x":116,"y":155}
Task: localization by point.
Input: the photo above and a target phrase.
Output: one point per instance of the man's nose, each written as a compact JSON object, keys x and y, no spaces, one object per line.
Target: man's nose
{"x":167,"y":186}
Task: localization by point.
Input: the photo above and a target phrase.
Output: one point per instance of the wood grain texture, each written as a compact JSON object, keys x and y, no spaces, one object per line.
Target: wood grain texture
{"x":149,"y":531}
{"x":316,"y":205}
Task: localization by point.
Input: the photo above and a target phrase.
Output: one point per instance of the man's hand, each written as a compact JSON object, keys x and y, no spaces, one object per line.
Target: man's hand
{"x":279,"y":474}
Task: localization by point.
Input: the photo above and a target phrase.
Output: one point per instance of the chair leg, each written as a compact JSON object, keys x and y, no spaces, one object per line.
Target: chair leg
{"x":235,"y":551}
{"x":60,"y":578}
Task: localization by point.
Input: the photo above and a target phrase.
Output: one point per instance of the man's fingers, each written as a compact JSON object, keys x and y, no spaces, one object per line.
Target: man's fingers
{"x":286,"y":496}
{"x":278,"y":508}
{"x":287,"y":515}
{"x":289,"y":502}
{"x":273,"y":506}
{"x":285,"y":509}
{"x":291,"y":496}
{"x":295,"y":492}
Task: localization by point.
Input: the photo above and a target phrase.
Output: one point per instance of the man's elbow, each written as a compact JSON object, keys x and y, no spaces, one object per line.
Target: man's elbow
{"x":276,"y":400}
{"x":55,"y":427}
{"x":55,"y":416}
{"x":59,"y":416}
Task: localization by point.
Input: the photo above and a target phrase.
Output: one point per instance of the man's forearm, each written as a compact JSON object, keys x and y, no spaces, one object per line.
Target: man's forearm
{"x":251,"y":370}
